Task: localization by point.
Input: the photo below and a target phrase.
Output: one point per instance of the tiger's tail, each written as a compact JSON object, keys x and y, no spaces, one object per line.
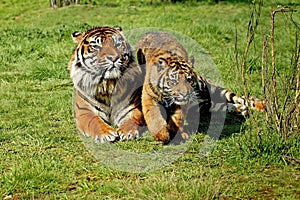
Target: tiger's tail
{"x":233,"y":103}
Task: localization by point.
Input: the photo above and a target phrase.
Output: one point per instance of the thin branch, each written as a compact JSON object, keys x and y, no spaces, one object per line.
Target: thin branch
{"x":236,"y":49}
{"x":264,"y":62}
{"x":279,"y":117}
{"x":275,"y":100}
{"x":252,"y":26}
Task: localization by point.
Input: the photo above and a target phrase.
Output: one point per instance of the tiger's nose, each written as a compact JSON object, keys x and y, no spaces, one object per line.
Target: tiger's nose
{"x":184,"y":97}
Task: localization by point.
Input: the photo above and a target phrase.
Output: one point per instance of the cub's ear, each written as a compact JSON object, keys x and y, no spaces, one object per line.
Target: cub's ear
{"x":192,"y":61}
{"x":77,"y":36}
{"x":119,"y":28}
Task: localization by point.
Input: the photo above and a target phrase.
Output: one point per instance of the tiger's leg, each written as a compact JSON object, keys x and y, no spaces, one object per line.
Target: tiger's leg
{"x":154,"y":118}
{"x":129,"y":128}
{"x":175,"y":122}
{"x":90,"y":124}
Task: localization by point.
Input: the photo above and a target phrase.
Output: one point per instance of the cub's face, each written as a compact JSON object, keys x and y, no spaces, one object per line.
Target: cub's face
{"x":102,"y":52}
{"x":175,"y":79}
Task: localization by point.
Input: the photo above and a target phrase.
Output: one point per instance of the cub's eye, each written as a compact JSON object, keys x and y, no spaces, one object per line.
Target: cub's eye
{"x":190,"y":80}
{"x":173,"y":82}
{"x":161,"y":64}
{"x":161,"y":61}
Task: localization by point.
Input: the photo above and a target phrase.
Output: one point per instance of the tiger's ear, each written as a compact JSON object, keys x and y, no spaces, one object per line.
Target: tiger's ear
{"x":77,"y":36}
{"x":192,"y":61}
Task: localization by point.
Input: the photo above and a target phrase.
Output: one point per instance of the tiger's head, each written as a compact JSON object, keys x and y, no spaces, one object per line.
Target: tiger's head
{"x":175,"y":79}
{"x":101,"y":53}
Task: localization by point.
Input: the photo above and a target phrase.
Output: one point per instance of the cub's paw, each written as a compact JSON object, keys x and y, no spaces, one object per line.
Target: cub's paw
{"x":163,"y":135}
{"x":185,"y":135}
{"x":179,"y":138}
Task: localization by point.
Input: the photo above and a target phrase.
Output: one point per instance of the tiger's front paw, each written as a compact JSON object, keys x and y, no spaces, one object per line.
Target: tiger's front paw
{"x":128,"y":131}
{"x":100,"y":133}
{"x":128,"y":135}
{"x":109,"y":136}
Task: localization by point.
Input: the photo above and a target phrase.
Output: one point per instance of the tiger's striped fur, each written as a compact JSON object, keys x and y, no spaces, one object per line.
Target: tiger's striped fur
{"x":217,"y":97}
{"x":171,"y":84}
{"x":102,"y":68}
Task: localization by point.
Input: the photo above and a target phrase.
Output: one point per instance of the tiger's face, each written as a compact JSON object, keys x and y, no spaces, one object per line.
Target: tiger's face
{"x":102,"y":53}
{"x":175,"y":80}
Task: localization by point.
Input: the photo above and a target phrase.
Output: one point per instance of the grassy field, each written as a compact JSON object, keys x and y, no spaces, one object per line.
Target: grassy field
{"x":43,"y":157}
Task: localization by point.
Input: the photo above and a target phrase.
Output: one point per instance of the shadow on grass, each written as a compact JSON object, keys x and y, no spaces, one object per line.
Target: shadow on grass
{"x":145,"y":154}
{"x":226,"y":123}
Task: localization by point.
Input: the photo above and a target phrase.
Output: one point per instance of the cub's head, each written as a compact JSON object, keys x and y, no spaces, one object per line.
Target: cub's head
{"x":100,"y":53}
{"x":175,"y":80}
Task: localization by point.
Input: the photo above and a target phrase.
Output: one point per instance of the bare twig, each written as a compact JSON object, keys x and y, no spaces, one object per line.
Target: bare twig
{"x":236,"y":49}
{"x":275,"y":101}
{"x":265,"y":79}
{"x":264,"y":62}
{"x":252,"y":26}
{"x":275,"y":107}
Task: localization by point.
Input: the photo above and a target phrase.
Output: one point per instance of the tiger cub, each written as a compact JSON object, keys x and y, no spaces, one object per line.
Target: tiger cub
{"x":171,"y":84}
{"x":106,"y":79}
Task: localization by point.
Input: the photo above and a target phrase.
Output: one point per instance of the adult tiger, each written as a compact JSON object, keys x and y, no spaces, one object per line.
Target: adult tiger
{"x":107,"y":79}
{"x":171,"y":84}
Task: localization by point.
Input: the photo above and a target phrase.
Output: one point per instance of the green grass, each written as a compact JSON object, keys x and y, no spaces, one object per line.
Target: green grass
{"x":43,"y":157}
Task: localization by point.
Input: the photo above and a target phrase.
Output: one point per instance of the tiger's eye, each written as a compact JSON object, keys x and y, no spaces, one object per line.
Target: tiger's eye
{"x":125,"y":56}
{"x":98,"y":41}
{"x":95,"y":47}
